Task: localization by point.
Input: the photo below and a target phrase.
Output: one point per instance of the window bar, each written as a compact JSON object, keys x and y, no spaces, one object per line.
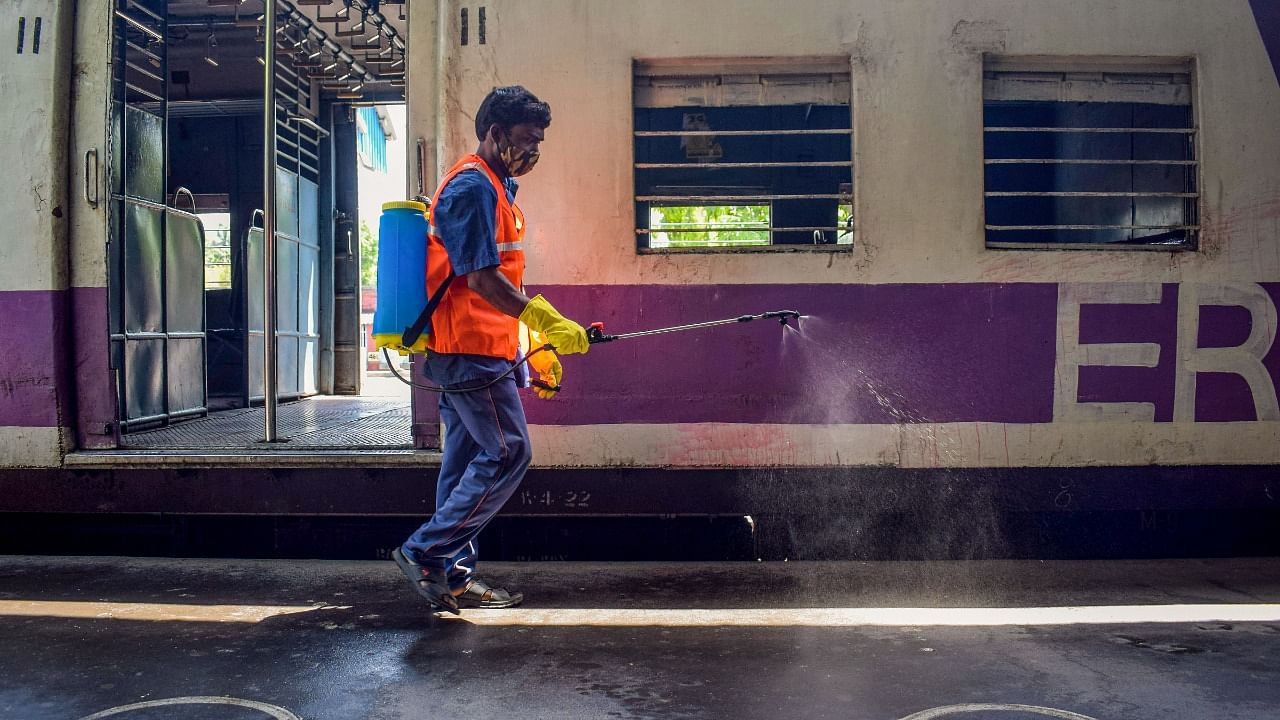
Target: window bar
{"x":134,"y":46}
{"x":145,"y":11}
{"x":1092,"y":227}
{"x":1091,"y":194}
{"x":1167,"y":131}
{"x":146,"y":93}
{"x":1059,"y":161}
{"x":139,"y":25}
{"x":143,"y":71}
{"x":706,"y":199}
{"x":739,"y":228}
{"x":715,"y":133}
{"x":719,"y":165}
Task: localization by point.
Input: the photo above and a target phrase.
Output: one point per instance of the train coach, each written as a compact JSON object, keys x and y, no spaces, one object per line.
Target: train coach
{"x":1036,"y":248}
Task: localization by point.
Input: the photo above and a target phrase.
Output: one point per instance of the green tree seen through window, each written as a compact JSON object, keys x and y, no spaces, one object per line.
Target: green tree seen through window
{"x":368,"y":256}
{"x":708,"y":225}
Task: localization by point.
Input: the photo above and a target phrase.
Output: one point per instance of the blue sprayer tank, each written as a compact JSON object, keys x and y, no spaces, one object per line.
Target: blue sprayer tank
{"x":402,"y":272}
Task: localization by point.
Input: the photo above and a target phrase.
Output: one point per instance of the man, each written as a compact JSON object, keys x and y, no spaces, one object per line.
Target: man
{"x":476,"y":237}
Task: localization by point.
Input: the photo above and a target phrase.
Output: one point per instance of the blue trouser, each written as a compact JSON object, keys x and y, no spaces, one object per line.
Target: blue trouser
{"x":486,"y":452}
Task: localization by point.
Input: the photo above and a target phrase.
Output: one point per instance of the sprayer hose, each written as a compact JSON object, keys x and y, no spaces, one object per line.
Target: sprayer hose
{"x":458,"y":391}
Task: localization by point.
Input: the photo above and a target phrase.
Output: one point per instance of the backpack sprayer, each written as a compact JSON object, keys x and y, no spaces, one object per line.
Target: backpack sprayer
{"x":403,"y":311}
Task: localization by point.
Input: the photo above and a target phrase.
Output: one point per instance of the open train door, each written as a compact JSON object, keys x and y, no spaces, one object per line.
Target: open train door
{"x":155,"y":260}
{"x":169,"y":141}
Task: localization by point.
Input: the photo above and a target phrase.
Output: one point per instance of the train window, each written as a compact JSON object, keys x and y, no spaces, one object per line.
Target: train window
{"x":1096,"y":156}
{"x":217,"y":250}
{"x":743,"y":154}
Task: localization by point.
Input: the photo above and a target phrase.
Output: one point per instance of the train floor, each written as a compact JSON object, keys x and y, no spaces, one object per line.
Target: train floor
{"x":146,"y":639}
{"x":379,"y":418}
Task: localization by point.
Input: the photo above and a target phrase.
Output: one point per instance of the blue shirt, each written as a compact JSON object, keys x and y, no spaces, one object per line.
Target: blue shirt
{"x":465,"y":219}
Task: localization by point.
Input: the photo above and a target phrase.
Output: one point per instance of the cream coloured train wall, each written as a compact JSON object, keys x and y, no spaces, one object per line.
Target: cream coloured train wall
{"x":916,"y":67}
{"x":34,"y":79}
{"x":917,"y":108}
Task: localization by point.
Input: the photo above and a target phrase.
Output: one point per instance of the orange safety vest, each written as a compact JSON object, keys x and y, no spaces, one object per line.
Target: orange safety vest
{"x":464,"y":322}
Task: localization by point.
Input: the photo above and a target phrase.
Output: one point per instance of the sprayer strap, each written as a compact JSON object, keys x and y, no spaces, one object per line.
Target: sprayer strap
{"x":414,"y":331}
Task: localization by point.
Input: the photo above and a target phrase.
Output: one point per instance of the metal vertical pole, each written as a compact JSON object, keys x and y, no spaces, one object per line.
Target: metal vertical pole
{"x":270,"y":368}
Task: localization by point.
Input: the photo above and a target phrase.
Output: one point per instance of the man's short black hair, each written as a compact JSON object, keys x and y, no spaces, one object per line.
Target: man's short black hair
{"x":509,"y":106}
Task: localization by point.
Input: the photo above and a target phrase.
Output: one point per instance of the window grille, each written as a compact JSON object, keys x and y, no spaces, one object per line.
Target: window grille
{"x":1090,"y":158}
{"x":742,"y":153}
{"x":217,"y":250}
{"x":297,"y":143}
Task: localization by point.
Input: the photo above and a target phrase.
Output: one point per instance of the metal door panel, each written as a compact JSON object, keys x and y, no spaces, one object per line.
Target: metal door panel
{"x":144,"y":157}
{"x":255,"y":354}
{"x":143,"y":260}
{"x":309,"y":357}
{"x":144,"y":379}
{"x":308,"y":290}
{"x":254,"y":315}
{"x":286,"y":285}
{"x":117,"y":148}
{"x":184,"y":274}
{"x":157,"y":253}
{"x":253,"y":284}
{"x":115,"y":270}
{"x":308,"y":212}
{"x":297,"y":290}
{"x":117,"y":365}
{"x":309,"y":283}
{"x":288,"y":354}
{"x":186,"y":377}
{"x":347,"y":325}
{"x":286,"y":203}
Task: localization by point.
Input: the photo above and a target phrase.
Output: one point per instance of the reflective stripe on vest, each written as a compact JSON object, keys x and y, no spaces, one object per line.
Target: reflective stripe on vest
{"x":464,"y":322}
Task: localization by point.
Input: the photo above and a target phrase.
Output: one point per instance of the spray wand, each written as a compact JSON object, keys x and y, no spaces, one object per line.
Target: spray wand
{"x":596,"y":334}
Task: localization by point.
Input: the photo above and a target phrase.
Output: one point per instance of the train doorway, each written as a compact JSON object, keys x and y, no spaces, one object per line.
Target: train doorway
{"x":381,"y":175}
{"x":190,"y":273}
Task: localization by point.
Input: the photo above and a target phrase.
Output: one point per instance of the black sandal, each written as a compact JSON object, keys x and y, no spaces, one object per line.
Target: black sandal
{"x":479,"y":595}
{"x":432,"y":585}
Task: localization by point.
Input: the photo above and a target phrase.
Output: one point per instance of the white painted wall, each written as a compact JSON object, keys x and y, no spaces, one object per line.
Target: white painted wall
{"x":917,"y":112}
{"x":33,"y":198}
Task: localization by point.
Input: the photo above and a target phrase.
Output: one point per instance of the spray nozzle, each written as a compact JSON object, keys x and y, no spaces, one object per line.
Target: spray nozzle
{"x":783,"y":316}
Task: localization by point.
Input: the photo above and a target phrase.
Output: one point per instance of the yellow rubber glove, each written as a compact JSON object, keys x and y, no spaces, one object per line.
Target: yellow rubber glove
{"x":567,"y":336}
{"x":547,"y":366}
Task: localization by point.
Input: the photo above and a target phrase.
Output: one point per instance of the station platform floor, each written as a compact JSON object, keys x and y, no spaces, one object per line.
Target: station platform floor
{"x":378,"y":418}
{"x":149,"y":639}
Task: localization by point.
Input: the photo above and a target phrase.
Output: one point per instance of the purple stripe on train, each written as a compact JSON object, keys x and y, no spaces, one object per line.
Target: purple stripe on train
{"x":876,"y":354}
{"x":95,"y":393}
{"x":32,"y":364}
{"x":866,"y":354}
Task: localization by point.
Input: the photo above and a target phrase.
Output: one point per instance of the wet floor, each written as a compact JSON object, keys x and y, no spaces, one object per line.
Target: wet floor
{"x":1009,"y":640}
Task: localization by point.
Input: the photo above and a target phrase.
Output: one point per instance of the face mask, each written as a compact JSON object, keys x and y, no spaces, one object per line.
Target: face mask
{"x":518,"y":162}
